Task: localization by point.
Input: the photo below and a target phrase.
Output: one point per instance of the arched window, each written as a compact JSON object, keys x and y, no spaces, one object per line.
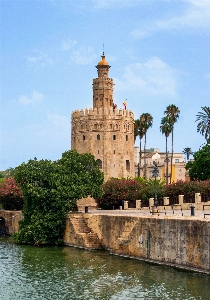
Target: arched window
{"x":83,"y":137}
{"x":114,"y":137}
{"x":99,"y":163}
{"x":98,"y":137}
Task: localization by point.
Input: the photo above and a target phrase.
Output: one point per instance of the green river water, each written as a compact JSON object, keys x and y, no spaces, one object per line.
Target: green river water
{"x":28,"y":272}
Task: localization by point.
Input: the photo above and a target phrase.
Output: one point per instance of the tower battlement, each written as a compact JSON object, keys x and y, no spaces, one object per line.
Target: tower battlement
{"x":101,"y":111}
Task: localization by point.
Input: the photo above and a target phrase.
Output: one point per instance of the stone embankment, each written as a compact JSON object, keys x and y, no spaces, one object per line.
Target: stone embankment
{"x":176,"y":239}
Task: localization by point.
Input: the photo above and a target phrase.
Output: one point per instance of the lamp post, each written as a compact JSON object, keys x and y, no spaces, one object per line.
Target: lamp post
{"x":155,"y":173}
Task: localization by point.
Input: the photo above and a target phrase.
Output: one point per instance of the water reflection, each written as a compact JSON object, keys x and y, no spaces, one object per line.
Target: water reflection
{"x":69,"y":273}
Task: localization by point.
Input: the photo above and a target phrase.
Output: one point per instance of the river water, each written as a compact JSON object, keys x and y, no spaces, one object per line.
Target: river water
{"x":28,"y":272}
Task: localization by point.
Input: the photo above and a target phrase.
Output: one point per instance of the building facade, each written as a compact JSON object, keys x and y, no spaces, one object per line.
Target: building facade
{"x":178,"y":164}
{"x":105,"y":131}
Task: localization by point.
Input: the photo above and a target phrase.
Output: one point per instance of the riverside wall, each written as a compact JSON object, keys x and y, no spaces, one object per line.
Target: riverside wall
{"x":10,"y":219}
{"x":183,"y":242}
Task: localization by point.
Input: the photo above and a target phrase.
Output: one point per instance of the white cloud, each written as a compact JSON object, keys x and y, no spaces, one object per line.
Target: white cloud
{"x":154,"y":77}
{"x":66,"y":45}
{"x":83,"y":56}
{"x":33,"y":98}
{"x":58,"y":120}
{"x":195,"y":15}
{"x":41,"y":58}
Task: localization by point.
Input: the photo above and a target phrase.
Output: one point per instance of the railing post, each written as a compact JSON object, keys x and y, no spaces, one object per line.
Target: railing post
{"x":197,"y":198}
{"x":151,"y":202}
{"x":181,"y":199}
{"x":138,"y":204}
{"x":125,"y":204}
{"x":165,"y":200}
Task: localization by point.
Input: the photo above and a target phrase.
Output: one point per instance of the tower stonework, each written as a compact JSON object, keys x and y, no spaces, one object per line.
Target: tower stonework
{"x":105,"y":131}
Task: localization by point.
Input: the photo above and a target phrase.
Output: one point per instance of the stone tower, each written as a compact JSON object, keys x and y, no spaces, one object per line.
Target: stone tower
{"x":105,"y":131}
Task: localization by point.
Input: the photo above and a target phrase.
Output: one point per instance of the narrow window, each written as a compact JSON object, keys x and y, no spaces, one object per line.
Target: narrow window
{"x":127,"y":165}
{"x":98,"y":151}
{"x":95,"y":126}
{"x":110,"y":126}
{"x":114,"y":137}
{"x":99,"y":163}
{"x":83,"y":137}
{"x":114,"y":151}
{"x":126,"y":137}
{"x":98,"y":137}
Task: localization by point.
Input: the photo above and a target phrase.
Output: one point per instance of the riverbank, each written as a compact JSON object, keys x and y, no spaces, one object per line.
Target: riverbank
{"x":176,"y":239}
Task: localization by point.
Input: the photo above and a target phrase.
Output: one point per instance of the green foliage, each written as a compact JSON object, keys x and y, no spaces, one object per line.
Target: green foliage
{"x":187,"y":151}
{"x":199,"y":169}
{"x":11,"y":197}
{"x":115,"y":190}
{"x":51,"y":190}
{"x":186,"y":188}
{"x":203,"y":119}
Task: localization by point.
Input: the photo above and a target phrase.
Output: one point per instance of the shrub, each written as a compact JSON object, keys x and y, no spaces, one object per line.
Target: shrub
{"x":187,"y":188}
{"x":116,"y":190}
{"x":11,"y":196}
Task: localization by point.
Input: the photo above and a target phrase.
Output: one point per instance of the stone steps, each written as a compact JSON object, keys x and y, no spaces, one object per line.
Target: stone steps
{"x":91,"y":239}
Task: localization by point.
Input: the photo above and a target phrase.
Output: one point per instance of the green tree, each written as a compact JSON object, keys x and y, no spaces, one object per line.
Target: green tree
{"x":166,"y":129}
{"x":199,"y":169}
{"x":139,"y":131}
{"x":203,"y":119}
{"x":146,"y":121}
{"x":187,"y":151}
{"x":172,"y":111}
{"x":51,"y":190}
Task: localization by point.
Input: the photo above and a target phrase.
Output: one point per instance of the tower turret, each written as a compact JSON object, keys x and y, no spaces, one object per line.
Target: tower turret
{"x":103,"y":86}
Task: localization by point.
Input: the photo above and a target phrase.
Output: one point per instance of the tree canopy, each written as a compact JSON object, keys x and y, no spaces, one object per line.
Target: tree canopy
{"x":203,"y":119}
{"x":51,"y":190}
{"x":199,"y":169}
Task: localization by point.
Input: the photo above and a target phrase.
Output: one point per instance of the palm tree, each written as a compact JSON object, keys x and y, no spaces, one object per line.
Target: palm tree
{"x":204,"y":123}
{"x":187,"y":151}
{"x":166,"y":128}
{"x":172,"y":111}
{"x":138,"y":131}
{"x":146,"y":121}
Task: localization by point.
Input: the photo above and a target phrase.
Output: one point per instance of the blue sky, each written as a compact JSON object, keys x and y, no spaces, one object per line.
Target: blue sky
{"x":159,"y":52}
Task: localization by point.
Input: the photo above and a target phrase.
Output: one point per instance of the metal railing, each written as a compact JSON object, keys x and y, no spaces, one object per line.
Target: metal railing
{"x":189,"y":199}
{"x":205,"y":197}
{"x":173,"y":200}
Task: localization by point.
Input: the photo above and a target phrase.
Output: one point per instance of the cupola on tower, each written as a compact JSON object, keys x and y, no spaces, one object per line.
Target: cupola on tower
{"x":105,"y":131}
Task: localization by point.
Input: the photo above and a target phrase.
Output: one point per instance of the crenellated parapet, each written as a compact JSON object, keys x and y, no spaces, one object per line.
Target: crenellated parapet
{"x":101,"y":112}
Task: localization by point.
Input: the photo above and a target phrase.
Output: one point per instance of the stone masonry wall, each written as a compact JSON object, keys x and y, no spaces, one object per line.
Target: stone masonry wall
{"x":182,"y":242}
{"x":107,"y":134}
{"x":11,"y":219}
